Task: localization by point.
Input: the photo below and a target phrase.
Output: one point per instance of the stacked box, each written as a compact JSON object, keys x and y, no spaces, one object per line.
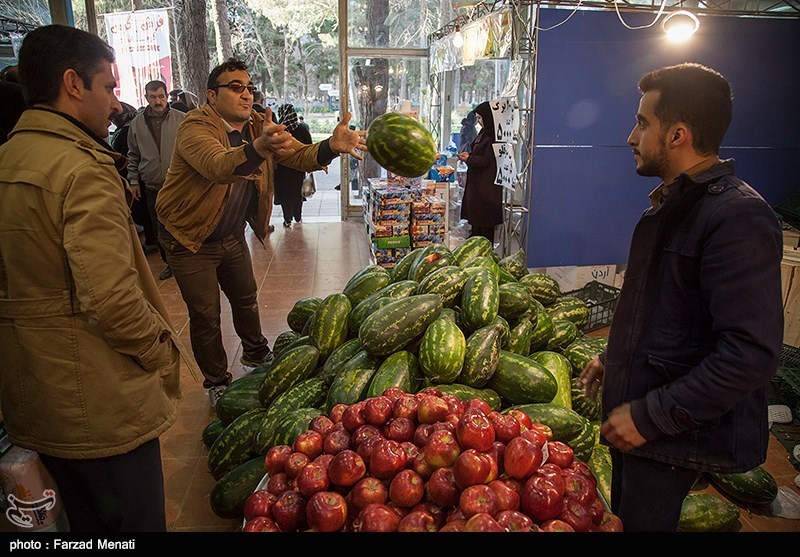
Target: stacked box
{"x":388,"y":257}
{"x":428,"y":222}
{"x":387,"y":212}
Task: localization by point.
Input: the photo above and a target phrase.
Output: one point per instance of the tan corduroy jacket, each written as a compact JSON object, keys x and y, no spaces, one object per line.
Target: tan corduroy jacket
{"x":89,"y":365}
{"x":200,"y":177}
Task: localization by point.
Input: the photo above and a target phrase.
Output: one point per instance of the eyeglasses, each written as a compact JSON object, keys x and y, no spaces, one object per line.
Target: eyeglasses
{"x":237,"y":87}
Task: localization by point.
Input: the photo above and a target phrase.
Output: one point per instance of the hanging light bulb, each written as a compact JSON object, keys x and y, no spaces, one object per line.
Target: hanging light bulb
{"x":680,"y":26}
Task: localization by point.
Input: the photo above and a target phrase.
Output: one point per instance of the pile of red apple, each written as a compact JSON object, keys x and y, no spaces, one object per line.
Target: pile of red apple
{"x":426,"y":462}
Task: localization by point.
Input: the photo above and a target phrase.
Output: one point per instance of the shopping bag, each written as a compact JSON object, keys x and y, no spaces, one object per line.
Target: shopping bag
{"x":308,"y":189}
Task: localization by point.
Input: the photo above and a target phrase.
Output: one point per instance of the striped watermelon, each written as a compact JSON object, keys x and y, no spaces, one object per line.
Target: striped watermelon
{"x":442,"y":351}
{"x":543,"y":287}
{"x":401,"y":145}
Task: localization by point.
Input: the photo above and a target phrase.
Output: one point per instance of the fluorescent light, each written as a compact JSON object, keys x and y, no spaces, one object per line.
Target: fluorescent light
{"x":458,"y":40}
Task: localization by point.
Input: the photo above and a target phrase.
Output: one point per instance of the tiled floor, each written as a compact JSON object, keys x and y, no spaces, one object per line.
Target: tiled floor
{"x":315,"y":258}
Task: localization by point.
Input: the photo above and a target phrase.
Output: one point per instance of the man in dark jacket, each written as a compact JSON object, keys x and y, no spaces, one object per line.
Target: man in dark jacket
{"x":698,"y":327}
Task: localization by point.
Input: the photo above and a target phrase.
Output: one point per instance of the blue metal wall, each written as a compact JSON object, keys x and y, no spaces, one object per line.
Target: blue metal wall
{"x":586,"y":195}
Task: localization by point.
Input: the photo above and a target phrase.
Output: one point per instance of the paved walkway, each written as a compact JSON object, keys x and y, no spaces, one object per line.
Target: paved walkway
{"x":325,"y":205}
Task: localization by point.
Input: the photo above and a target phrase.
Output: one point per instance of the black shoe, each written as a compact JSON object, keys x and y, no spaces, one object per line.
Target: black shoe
{"x":166,"y":273}
{"x":287,"y":224}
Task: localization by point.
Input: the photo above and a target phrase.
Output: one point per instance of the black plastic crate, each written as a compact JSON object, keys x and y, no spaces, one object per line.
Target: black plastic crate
{"x":789,"y":209}
{"x":601,"y":299}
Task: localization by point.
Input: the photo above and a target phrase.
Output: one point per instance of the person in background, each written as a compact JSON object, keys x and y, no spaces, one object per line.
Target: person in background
{"x":258,"y":101}
{"x":151,"y":141}
{"x":12,"y":105}
{"x":188,"y":100}
{"x":90,"y":374}
{"x":302,"y":123}
{"x":288,"y":181}
{"x":698,"y":327}
{"x":176,"y":102}
{"x":482,"y":203}
{"x":468,"y":132}
{"x":119,"y":142}
{"x":220,"y":178}
{"x":10,"y":74}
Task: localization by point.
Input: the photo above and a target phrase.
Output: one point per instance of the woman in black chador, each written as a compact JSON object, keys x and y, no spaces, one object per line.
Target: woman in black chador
{"x":288,"y":181}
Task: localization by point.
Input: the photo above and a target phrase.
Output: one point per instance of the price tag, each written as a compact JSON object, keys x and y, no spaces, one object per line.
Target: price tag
{"x":506,"y":118}
{"x":506,"y":165}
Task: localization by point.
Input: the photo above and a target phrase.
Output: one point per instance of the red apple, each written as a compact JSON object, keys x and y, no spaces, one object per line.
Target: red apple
{"x":597,"y":510}
{"x":534,"y":436}
{"x":498,"y":453}
{"x":609,"y":523}
{"x":478,"y":499}
{"x":378,"y":410}
{"x":399,"y":429}
{"x":442,"y":449}
{"x":336,"y":412}
{"x":552,"y":474}
{"x":456,"y":514}
{"x":387,"y":459}
{"x":559,"y":454}
{"x":376,"y":518}
{"x":471,"y":468}
{"x":312,"y":479}
{"x":446,"y":425}
{"x":556,"y":525}
{"x":323,"y":460}
{"x":523,"y":419}
{"x":514,"y":484}
{"x":432,"y":409}
{"x":418,"y":521}
{"x":353,"y":416}
{"x":369,"y":490}
{"x":361,"y":433}
{"x":433,"y":391}
{"x":521,"y":458}
{"x":514,"y":521}
{"x":406,"y":489}
{"x":505,"y":427}
{"x":412,"y":451}
{"x":421,"y":434}
{"x":326,"y":511}
{"x":539,"y":499}
{"x":289,"y":511}
{"x":456,"y":525}
{"x":483,"y":522}
{"x":442,"y":489}
{"x":399,"y":511}
{"x":479,"y":404}
{"x":346,"y":468}
{"x":259,"y":503}
{"x":544,"y":429}
{"x":576,"y":514}
{"x":577,"y":486}
{"x":406,"y":407}
{"x":309,"y":443}
{"x":583,"y":469}
{"x":432,"y":509}
{"x":260,"y":524}
{"x":366,"y":447}
{"x":275,"y":458}
{"x":296,"y":462}
{"x":321,"y":424}
{"x":475,"y":431}
{"x":393,"y":393}
{"x":454,"y":404}
{"x":336,"y":441}
{"x":507,"y":498}
{"x":421,"y":466}
{"x":278,"y":483}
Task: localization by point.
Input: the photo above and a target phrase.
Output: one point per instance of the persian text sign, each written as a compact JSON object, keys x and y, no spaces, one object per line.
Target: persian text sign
{"x":506,"y":166}
{"x":505,"y":112}
{"x":141,"y":43}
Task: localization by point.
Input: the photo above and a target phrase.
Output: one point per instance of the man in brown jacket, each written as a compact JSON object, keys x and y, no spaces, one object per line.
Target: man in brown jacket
{"x":221,"y":177}
{"x":90,"y":373}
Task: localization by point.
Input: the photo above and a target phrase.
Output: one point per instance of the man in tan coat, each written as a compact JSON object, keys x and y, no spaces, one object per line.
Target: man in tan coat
{"x":90,"y":373}
{"x":221,"y":177}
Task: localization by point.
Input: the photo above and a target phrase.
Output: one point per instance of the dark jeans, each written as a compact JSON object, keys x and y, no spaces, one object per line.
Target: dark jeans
{"x":646,"y":494}
{"x":151,"y":209}
{"x":218,"y":264}
{"x":121,"y":493}
{"x":292,"y":210}
{"x":140,"y":212}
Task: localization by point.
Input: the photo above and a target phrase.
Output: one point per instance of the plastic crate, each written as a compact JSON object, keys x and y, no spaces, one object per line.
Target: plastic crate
{"x":601,"y":299}
{"x":789,"y":209}
{"x":784,"y":388}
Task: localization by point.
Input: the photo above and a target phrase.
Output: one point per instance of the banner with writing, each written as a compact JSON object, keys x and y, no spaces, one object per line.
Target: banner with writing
{"x":505,"y":112}
{"x":506,"y":165}
{"x":140,"y":41}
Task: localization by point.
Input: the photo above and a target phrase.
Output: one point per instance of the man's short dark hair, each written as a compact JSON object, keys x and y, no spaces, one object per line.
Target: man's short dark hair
{"x":155,"y":85}
{"x":230,"y":65}
{"x":696,"y":95}
{"x":47,"y":52}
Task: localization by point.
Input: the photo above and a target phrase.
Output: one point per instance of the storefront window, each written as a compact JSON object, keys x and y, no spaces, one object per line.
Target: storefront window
{"x":392,"y":23}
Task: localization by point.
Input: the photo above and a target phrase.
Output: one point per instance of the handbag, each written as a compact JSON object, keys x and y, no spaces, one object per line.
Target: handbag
{"x":308,"y":189}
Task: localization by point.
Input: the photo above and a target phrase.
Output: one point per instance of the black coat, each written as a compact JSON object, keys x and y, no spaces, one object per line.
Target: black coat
{"x":288,"y":181}
{"x":698,"y":327}
{"x":482,"y":203}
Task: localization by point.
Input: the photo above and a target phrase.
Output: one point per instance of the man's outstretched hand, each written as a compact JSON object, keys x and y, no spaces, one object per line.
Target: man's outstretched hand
{"x":274,"y":138}
{"x":345,"y":140}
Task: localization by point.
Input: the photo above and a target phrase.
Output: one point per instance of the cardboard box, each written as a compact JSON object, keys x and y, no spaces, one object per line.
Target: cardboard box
{"x":574,"y":277}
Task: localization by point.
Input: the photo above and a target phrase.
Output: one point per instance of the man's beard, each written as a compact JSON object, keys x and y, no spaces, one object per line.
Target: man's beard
{"x":653,"y":166}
